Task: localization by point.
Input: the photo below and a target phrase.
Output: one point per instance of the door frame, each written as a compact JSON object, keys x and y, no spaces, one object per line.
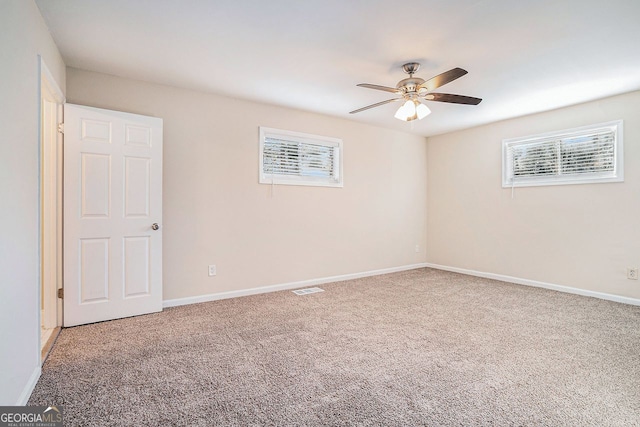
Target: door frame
{"x":50,"y":199}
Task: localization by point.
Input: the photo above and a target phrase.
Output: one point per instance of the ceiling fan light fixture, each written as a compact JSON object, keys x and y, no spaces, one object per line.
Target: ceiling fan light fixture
{"x":414,"y":90}
{"x":406,"y":111}
{"x":412,"y":110}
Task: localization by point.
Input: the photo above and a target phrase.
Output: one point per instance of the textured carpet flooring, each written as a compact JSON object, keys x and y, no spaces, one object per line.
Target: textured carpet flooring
{"x":417,"y":348}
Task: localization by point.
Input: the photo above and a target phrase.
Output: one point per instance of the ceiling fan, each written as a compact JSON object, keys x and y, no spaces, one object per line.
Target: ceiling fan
{"x":414,"y":90}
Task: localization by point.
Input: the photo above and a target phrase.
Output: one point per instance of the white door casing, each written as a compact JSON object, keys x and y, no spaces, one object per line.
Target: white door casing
{"x":112,"y":197}
{"x":52,"y":100}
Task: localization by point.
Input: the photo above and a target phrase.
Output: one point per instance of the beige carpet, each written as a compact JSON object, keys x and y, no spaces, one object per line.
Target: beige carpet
{"x":418,"y":348}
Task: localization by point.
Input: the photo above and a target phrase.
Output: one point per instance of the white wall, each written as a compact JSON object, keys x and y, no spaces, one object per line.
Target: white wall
{"x":23,"y":37}
{"x":582,"y":236}
{"x":215,"y":212}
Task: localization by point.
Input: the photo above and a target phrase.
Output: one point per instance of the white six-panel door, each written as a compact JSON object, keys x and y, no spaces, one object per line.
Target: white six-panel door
{"x":112,"y":199}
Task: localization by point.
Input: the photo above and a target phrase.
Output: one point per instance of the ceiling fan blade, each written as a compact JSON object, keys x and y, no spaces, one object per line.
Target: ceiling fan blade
{"x":444,"y":78}
{"x":454,"y":99}
{"x":375,"y":105}
{"x":378,"y":87}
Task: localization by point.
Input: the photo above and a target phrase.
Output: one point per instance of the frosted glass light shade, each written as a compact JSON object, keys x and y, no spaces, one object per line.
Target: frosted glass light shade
{"x":410,"y":108}
{"x":422,"y":111}
{"x":400,"y":115}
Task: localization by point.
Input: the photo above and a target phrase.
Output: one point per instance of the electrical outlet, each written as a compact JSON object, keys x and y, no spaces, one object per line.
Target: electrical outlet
{"x":417,"y":248}
{"x":212,"y":270}
{"x":632,"y":273}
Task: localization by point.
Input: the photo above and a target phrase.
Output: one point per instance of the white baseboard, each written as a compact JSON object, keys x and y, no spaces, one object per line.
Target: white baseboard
{"x":28,"y":388}
{"x":285,"y":286}
{"x":534,"y":283}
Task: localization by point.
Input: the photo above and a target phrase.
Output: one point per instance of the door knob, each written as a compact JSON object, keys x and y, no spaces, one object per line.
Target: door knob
{"x":155,"y":226}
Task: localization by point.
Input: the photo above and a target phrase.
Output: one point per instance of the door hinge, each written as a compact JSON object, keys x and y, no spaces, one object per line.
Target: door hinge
{"x":61,"y":128}
{"x":61,"y":293}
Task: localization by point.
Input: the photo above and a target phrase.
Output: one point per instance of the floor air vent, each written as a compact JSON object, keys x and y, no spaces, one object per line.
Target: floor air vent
{"x":307,"y":291}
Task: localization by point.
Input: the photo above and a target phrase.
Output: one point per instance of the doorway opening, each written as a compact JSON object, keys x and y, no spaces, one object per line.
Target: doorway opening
{"x":51,"y":110}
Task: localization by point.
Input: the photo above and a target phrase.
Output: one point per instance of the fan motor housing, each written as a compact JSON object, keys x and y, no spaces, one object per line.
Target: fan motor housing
{"x":410,"y":84}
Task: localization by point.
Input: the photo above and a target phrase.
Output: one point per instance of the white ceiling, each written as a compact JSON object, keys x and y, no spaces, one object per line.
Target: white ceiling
{"x":523,"y":56}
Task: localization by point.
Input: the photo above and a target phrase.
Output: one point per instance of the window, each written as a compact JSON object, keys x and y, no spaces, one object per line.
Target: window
{"x":575,"y":156}
{"x":299,"y":159}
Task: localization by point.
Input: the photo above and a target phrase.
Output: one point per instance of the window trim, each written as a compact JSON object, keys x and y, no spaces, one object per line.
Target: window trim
{"x":338,"y":179}
{"x":616,"y":176}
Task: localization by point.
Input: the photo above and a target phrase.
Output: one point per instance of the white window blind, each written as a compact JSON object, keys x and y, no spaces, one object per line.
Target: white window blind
{"x":587,"y":154}
{"x":299,"y":159}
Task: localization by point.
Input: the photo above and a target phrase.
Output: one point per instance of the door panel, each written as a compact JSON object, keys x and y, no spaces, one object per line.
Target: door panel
{"x":96,"y":131}
{"x":137,"y":187}
{"x":136,"y":266}
{"x":138,"y":136}
{"x":94,"y":270}
{"x":96,"y":185}
{"x":112,"y":196}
